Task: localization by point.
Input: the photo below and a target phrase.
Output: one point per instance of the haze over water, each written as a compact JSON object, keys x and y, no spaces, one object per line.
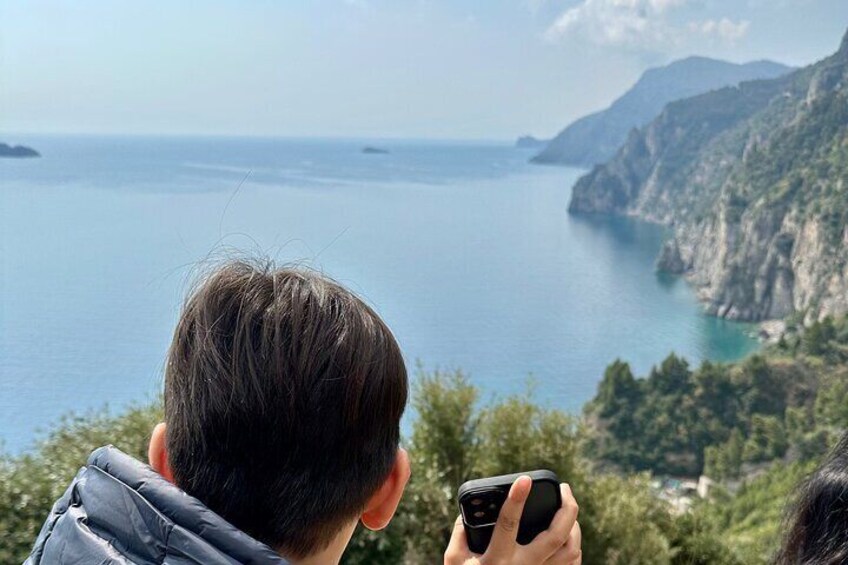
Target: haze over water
{"x":465,"y":249}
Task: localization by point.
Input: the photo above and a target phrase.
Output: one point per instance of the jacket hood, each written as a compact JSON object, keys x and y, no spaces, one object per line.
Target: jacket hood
{"x":118,"y":510}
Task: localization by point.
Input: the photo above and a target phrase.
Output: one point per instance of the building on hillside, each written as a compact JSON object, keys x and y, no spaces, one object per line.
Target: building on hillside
{"x":681,"y":492}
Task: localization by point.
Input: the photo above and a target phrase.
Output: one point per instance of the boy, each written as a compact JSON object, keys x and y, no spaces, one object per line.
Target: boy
{"x":283,"y":399}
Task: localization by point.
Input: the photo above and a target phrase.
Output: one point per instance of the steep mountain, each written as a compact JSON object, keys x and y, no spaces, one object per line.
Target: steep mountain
{"x":754,"y":180}
{"x":595,"y":138}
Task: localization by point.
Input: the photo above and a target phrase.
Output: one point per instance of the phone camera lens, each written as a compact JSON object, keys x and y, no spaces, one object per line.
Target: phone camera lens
{"x":479,"y":514}
{"x":477,"y":501}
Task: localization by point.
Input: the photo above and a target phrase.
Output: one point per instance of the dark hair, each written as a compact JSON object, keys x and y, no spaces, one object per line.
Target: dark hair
{"x":817,"y":523}
{"x":283,"y":399}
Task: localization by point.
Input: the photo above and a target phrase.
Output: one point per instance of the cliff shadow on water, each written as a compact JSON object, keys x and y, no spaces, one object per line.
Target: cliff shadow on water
{"x":631,"y":238}
{"x":633,"y":245}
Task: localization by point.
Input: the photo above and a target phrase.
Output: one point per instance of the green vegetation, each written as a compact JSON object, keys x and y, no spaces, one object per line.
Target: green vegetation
{"x":757,"y":426}
{"x":700,"y":139}
{"x":788,"y":402}
{"x":803,"y":168}
{"x":750,"y":520}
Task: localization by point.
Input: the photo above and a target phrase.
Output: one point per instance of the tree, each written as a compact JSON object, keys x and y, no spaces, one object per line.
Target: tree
{"x":766,"y":441}
{"x":816,"y":338}
{"x":724,"y":461}
{"x":831,"y":406}
{"x":671,"y":377}
{"x":628,"y":524}
{"x":445,"y":435}
{"x":762,"y":391}
{"x":618,"y":391}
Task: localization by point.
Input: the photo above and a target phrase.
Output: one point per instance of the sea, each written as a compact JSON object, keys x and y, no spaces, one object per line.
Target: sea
{"x":465,"y":249}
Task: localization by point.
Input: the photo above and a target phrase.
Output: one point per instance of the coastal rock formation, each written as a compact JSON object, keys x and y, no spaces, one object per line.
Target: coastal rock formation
{"x":754,"y":181}
{"x":17,"y":151}
{"x":530,"y":142}
{"x":595,"y":138}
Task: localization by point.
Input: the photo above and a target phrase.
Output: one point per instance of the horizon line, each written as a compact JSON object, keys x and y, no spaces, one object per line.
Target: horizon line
{"x":6,"y":135}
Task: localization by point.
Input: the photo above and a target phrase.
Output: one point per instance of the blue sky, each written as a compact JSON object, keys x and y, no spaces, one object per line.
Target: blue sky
{"x":473,"y":69}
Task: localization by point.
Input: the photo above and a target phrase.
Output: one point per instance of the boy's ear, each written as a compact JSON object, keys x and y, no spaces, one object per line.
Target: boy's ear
{"x":157,"y":452}
{"x":382,"y":505}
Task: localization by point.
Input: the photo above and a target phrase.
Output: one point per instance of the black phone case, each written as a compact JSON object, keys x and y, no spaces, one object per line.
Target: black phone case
{"x":542,"y":503}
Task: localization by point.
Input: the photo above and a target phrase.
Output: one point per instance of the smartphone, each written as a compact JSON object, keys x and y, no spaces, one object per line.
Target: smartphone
{"x":480,"y":502}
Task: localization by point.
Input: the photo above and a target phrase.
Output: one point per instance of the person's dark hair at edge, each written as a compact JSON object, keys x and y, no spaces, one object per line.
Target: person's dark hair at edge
{"x":283,"y":399}
{"x":816,"y":524}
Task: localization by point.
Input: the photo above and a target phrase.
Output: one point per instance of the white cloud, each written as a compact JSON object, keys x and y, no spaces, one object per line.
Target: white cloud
{"x":617,"y":22}
{"x":724,"y":29}
{"x":644,"y":24}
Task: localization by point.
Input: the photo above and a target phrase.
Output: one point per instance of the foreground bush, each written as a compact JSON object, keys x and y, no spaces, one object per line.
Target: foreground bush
{"x":454,"y":437}
{"x":750,"y":520}
{"x":30,"y":483}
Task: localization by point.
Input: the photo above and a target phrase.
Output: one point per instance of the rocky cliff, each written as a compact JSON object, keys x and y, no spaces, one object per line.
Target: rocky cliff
{"x":595,"y":138}
{"x":754,"y":181}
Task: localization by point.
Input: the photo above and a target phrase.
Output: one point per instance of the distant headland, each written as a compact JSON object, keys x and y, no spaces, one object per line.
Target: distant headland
{"x":374,"y":150}
{"x":18,"y":151}
{"x":530,"y":142}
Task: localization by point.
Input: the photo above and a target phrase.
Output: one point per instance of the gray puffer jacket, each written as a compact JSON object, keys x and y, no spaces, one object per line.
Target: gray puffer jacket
{"x":118,"y":510}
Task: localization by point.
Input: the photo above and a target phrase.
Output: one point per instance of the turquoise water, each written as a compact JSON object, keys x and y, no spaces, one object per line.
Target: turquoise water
{"x":465,"y":249}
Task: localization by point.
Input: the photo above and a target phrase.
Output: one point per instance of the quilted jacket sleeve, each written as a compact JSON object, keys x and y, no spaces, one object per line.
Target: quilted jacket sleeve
{"x":59,"y":509}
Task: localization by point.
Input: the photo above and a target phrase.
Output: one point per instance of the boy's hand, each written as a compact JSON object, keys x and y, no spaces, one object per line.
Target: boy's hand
{"x":558,"y":545}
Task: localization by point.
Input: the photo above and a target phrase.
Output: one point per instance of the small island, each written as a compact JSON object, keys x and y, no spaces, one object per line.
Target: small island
{"x":17,"y":151}
{"x":374,"y":151}
{"x":530,"y":142}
